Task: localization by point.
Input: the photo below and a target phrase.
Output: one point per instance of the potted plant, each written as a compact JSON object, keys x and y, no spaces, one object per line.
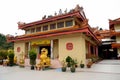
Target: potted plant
{"x":76,"y":63}
{"x":81,"y":64}
{"x":1,"y":58}
{"x":32,"y":56}
{"x":73,"y":63}
{"x":68,"y":60}
{"x":3,"y":55}
{"x":11,"y":58}
{"x":89,"y":64}
{"x":63,"y":66}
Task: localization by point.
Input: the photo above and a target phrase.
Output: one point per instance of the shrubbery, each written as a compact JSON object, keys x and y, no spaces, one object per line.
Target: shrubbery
{"x":3,"y":54}
{"x":11,"y":58}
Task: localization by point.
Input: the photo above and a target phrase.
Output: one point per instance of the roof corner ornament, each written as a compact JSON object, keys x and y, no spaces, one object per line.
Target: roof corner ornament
{"x":44,"y":17}
{"x":21,"y":23}
{"x":49,"y":16}
{"x":78,"y":8}
{"x":65,"y":11}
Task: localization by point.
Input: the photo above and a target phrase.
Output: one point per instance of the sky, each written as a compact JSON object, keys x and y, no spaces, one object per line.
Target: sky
{"x":98,"y":12}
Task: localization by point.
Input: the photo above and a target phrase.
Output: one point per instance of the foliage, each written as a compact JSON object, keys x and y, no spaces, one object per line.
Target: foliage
{"x":63,"y":63}
{"x":68,"y":59}
{"x":32,"y":55}
{"x":3,"y":54}
{"x":3,"y":43}
{"x":73,"y":63}
{"x":11,"y":57}
{"x":89,"y":64}
{"x":94,"y":58}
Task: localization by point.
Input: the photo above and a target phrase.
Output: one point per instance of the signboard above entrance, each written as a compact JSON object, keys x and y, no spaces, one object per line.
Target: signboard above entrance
{"x":40,"y":42}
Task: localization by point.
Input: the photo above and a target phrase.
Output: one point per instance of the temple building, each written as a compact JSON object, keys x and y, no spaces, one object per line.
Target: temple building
{"x":64,"y":34}
{"x":110,"y":40}
{"x":114,"y":26}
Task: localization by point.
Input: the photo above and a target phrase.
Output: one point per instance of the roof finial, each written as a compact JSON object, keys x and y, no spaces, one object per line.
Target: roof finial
{"x":65,"y":11}
{"x":21,"y":23}
{"x":60,"y":12}
{"x":77,"y":8}
{"x":44,"y":17}
{"x":55,"y":14}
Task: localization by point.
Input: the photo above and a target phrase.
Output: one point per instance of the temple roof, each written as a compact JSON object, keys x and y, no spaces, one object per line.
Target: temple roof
{"x":76,"y":12}
{"x":86,"y":30}
{"x":116,"y":21}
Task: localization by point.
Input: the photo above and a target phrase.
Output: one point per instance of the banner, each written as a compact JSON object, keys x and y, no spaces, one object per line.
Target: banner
{"x":40,"y":42}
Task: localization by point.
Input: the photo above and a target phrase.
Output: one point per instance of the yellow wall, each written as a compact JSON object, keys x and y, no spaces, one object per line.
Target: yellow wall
{"x":118,"y":51}
{"x":78,"y":51}
{"x":118,"y":39}
{"x":117,"y":28}
{"x":59,"y":46}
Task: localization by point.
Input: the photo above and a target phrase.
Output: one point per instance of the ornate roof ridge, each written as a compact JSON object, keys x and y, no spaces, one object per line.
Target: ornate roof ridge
{"x":77,"y":11}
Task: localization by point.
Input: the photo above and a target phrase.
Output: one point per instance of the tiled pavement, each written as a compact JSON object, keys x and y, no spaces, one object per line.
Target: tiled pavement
{"x":104,"y":70}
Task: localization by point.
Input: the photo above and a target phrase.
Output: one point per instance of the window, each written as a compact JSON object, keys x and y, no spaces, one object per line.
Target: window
{"x":60,"y":24}
{"x":52,"y":26}
{"x":38,"y":29}
{"x":32,"y":30}
{"x":45,"y":28}
{"x":69,"y":23}
{"x":27,"y":31}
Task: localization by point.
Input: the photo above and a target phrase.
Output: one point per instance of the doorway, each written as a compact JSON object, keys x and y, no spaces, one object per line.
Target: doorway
{"x":48,"y":48}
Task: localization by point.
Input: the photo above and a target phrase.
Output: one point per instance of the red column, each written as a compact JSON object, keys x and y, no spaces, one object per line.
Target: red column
{"x":89,"y":51}
{"x":96,"y":51}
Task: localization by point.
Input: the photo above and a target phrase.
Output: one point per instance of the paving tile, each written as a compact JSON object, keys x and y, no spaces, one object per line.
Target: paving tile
{"x":104,"y":70}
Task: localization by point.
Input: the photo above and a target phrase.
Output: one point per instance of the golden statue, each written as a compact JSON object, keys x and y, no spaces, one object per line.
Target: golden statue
{"x":21,"y":60}
{"x":15,"y":59}
{"x":44,"y":59}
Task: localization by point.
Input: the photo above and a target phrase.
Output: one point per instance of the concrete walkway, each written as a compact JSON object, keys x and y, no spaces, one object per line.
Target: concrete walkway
{"x":104,"y":70}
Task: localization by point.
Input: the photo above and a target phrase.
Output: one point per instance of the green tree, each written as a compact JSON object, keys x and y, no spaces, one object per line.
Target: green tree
{"x":4,"y":45}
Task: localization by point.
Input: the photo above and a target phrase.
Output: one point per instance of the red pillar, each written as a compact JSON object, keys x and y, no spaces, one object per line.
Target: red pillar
{"x":96,"y":51}
{"x":89,"y":51}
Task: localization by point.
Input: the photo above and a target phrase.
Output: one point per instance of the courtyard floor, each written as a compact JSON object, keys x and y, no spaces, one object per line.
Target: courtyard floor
{"x":104,"y":70}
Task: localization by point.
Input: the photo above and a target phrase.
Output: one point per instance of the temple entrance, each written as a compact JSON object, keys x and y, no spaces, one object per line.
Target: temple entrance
{"x":106,"y":52}
{"x":47,"y":47}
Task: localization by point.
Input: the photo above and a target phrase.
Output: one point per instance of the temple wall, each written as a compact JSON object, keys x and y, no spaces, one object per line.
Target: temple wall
{"x":119,"y":51}
{"x":78,"y":51}
{"x":117,"y":39}
{"x":19,"y":48}
{"x":73,"y":45}
{"x":117,"y":27}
